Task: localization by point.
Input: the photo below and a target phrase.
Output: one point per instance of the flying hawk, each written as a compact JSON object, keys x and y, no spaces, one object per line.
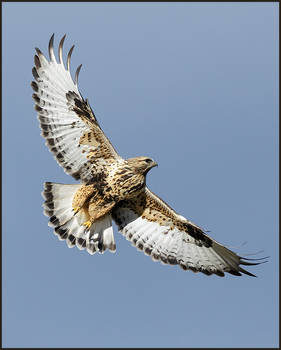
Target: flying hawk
{"x":110,"y":188}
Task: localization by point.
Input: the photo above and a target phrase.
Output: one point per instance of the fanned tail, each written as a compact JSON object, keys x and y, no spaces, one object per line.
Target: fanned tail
{"x":69,"y":226}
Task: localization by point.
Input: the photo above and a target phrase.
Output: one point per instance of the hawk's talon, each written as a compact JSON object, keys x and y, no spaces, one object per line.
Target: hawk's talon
{"x":88,"y":224}
{"x":76,"y":210}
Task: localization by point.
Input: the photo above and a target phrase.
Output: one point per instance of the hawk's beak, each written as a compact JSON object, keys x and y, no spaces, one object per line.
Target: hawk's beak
{"x":154,"y":164}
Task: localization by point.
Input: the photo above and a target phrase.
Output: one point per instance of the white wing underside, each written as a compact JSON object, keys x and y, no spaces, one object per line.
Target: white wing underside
{"x":61,"y":126}
{"x":175,"y":247}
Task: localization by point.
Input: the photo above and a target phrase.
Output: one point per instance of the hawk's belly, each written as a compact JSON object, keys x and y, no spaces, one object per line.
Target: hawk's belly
{"x":98,"y":198}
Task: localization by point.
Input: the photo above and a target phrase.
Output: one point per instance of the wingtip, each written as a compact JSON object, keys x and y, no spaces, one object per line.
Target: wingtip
{"x":77,"y":74}
{"x":38,"y":51}
{"x":60,"y":49}
{"x":51,"y":48}
{"x":37,"y":62}
{"x":253,"y":259}
{"x":246,"y":272}
{"x":69,"y":57}
{"x":251,"y":262}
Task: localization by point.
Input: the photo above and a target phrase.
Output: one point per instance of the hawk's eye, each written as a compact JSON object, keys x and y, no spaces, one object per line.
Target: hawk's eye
{"x":148,"y":160}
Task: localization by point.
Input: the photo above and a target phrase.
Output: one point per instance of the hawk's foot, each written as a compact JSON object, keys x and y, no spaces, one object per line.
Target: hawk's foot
{"x":76,"y":210}
{"x":88,"y":224}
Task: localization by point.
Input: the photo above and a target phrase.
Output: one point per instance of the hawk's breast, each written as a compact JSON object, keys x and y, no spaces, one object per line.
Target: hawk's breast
{"x":124,"y":181}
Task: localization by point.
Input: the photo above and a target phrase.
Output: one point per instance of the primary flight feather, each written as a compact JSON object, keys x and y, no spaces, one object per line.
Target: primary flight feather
{"x":111,"y":188}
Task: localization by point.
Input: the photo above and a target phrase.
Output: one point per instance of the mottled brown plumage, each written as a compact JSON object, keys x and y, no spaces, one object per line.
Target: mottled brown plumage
{"x":120,"y":180}
{"x":110,"y":186}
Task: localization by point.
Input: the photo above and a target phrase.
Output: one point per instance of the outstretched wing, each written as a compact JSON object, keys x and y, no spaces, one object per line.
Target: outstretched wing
{"x":152,"y":226}
{"x":67,"y":121}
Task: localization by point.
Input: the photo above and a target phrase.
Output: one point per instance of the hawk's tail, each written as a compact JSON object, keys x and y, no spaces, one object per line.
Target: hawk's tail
{"x":69,"y":226}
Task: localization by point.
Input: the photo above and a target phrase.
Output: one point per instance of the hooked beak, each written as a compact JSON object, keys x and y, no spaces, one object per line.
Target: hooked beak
{"x":154,"y":164}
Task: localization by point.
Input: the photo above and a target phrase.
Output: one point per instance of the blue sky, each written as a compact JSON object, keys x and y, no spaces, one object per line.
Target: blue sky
{"x":194,"y":86}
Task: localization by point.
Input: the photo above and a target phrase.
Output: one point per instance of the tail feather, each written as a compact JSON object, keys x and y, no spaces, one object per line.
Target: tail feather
{"x":68,"y":226}
{"x":102,"y":235}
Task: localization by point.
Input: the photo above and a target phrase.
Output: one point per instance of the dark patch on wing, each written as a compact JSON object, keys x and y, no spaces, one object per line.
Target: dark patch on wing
{"x":38,"y":108}
{"x":35,"y":74}
{"x":34,"y":86}
{"x":144,"y":201}
{"x":196,"y":233}
{"x":36,"y":98}
{"x":81,"y":107}
{"x":37,"y":62}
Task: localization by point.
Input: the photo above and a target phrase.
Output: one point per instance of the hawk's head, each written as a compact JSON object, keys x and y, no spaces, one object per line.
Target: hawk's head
{"x":142,"y":164}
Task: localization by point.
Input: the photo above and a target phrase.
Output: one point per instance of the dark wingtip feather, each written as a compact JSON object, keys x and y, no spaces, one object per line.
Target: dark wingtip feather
{"x":38,"y":108}
{"x":34,"y":86}
{"x":69,"y":57}
{"x":219,"y":273}
{"x":51,"y":48}
{"x":37,"y":62}
{"x":39,"y":53}
{"x":256,"y":261}
{"x":253,"y":259}
{"x":252,"y":264}
{"x":246,"y":272}
{"x":36,"y":98}
{"x":235,"y":273}
{"x":35,"y":74}
{"x":77,"y":74}
{"x":61,"y":49}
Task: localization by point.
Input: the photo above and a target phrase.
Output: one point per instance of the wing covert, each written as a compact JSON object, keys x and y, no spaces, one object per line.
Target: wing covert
{"x":67,"y":121}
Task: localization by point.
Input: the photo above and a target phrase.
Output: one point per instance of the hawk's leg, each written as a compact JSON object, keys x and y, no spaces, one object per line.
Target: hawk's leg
{"x":81,"y":196}
{"x":97,"y":209}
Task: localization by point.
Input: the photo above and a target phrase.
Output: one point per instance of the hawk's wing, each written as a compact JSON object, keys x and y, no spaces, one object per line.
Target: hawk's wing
{"x":152,"y":226}
{"x":67,"y":121}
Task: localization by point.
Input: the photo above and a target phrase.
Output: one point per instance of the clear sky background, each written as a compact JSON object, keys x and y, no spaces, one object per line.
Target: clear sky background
{"x":195,"y":87}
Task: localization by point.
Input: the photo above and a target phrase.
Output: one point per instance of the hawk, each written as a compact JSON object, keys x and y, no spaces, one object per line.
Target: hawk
{"x":110,"y":187}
